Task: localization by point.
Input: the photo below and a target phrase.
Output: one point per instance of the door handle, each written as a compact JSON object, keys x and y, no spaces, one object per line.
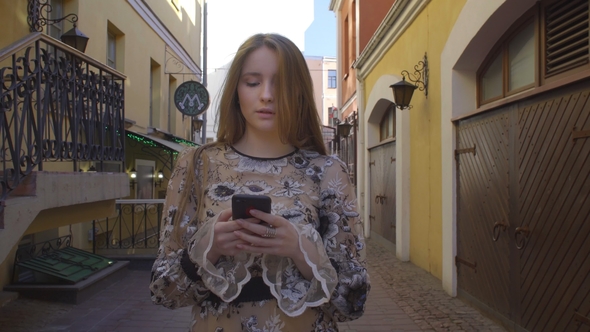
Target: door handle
{"x":498,"y":226}
{"x":380,"y":199}
{"x":520,"y":241}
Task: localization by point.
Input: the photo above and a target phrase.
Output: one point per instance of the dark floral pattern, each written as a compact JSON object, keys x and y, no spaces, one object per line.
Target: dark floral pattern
{"x":310,"y":190}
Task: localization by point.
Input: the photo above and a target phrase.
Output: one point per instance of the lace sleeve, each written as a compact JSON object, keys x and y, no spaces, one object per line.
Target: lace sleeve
{"x":342,"y":234}
{"x":174,"y":283}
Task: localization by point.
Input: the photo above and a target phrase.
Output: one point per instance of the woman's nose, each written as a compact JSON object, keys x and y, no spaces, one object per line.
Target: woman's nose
{"x":267,"y":93}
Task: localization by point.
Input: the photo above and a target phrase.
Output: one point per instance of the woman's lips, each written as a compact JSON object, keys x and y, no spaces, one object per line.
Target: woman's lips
{"x":265,"y":113}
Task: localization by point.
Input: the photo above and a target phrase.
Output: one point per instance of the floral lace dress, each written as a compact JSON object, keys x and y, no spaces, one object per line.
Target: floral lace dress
{"x":314,"y":193}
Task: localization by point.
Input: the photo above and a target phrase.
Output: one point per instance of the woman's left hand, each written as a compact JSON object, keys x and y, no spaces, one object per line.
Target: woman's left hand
{"x":277,"y":237}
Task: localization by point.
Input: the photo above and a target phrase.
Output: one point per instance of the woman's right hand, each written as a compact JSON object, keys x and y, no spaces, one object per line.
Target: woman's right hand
{"x":224,"y":239}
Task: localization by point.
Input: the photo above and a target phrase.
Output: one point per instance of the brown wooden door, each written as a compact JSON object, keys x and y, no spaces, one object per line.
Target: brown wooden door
{"x":531,"y":167}
{"x":554,"y":206}
{"x":483,"y":269}
{"x":382,"y":193}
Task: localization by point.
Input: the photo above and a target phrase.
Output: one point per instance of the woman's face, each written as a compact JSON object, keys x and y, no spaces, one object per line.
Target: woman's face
{"x":256,"y":91}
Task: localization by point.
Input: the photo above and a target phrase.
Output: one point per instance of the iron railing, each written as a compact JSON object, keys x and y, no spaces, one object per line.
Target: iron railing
{"x":136,"y":226}
{"x":32,"y":251}
{"x":56,"y":104}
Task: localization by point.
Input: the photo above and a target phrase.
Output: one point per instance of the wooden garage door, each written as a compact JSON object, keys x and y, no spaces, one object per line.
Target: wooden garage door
{"x":483,"y":210}
{"x":382,"y":192}
{"x":530,"y":170}
{"x":554,"y":206}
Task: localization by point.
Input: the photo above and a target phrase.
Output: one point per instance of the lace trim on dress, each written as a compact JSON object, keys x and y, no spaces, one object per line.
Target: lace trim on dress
{"x":227,"y":279}
{"x":299,"y":293}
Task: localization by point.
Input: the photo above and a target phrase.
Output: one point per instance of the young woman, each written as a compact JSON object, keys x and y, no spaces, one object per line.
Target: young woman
{"x":303,"y":269}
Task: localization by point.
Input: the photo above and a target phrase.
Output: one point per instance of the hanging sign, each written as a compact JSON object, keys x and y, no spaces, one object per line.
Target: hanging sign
{"x":191,"y":98}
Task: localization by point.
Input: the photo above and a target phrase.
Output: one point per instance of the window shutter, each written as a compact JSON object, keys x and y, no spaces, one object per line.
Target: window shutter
{"x":566,"y":27}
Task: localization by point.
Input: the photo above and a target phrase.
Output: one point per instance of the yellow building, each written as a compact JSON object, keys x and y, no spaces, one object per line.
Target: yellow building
{"x":490,"y":163}
{"x":79,"y":121}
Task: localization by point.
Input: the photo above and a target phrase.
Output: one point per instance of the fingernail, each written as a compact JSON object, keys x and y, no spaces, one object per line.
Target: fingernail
{"x":239,"y":221}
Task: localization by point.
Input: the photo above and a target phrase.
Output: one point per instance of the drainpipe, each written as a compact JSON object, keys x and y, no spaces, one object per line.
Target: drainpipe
{"x":204,"y":116}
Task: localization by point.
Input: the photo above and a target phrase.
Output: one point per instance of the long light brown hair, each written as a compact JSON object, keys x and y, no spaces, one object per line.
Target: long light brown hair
{"x":298,"y":120}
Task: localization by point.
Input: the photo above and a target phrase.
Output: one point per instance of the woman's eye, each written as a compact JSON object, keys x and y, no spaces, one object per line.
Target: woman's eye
{"x":252,"y":84}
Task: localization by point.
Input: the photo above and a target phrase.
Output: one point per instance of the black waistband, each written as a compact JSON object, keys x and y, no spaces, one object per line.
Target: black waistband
{"x":253,"y":291}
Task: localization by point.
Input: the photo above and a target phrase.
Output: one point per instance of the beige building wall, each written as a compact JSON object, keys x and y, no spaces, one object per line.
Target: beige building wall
{"x":158,"y":47}
{"x":324,"y":96}
{"x":330,"y":92}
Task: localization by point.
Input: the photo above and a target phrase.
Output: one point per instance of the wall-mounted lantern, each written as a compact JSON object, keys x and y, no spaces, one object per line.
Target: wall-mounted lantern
{"x":403,"y":90}
{"x":133,"y":177}
{"x":160,"y":177}
{"x":197,"y":123}
{"x":344,"y":128}
{"x":75,"y":38}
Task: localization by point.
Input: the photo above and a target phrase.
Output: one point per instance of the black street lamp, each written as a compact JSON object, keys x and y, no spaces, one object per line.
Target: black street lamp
{"x":75,"y":38}
{"x":402,"y":93}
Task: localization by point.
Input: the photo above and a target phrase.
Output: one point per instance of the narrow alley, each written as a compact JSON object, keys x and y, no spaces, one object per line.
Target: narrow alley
{"x":403,"y":298}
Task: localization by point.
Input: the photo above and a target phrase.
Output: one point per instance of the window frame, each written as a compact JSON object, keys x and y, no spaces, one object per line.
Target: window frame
{"x":111,"y":36}
{"x":389,"y":113}
{"x":501,"y":49}
{"x":536,"y":14}
{"x":332,"y":79}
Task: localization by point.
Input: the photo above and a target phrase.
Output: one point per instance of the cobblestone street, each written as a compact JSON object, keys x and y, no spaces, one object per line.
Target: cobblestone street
{"x":403,"y":298}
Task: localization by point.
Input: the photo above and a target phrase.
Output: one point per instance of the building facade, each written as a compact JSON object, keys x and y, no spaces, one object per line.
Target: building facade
{"x":89,"y":117}
{"x":323,"y":75}
{"x":490,"y":163}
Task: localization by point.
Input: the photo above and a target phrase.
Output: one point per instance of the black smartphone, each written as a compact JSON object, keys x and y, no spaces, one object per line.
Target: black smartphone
{"x":241,"y":205}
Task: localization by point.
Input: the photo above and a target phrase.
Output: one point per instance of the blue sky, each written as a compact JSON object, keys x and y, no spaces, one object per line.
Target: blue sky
{"x":320,"y":37}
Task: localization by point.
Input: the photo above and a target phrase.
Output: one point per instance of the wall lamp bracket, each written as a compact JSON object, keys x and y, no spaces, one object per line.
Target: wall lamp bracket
{"x":37,"y":20}
{"x":403,"y":90}
{"x":420,"y":75}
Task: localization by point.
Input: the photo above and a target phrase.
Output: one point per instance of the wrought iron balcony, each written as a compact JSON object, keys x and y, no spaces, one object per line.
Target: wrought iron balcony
{"x":56,"y":104}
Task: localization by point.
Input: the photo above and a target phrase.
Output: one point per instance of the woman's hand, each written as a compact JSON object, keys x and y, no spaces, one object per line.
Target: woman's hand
{"x":277,"y":236}
{"x":225,"y":241}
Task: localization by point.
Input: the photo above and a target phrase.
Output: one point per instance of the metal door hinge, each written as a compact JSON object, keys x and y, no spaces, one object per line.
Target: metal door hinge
{"x":466,"y":263}
{"x":466,"y":150}
{"x":576,"y":134}
{"x":581,"y":318}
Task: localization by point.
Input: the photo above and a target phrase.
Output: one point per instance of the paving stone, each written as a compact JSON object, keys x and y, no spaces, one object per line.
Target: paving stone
{"x":403,"y":298}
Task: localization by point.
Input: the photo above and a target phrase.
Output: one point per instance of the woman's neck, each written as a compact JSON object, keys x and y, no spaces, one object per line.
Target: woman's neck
{"x":262,"y":146}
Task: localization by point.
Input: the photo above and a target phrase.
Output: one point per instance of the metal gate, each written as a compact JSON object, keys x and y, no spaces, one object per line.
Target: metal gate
{"x":382,"y":192}
{"x":524,"y":211}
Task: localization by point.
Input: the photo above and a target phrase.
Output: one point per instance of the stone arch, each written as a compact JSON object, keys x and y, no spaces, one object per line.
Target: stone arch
{"x":377,"y":103}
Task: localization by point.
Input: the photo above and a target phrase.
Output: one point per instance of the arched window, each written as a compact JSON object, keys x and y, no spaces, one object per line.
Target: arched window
{"x":549,"y":42}
{"x":387,"y":124}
